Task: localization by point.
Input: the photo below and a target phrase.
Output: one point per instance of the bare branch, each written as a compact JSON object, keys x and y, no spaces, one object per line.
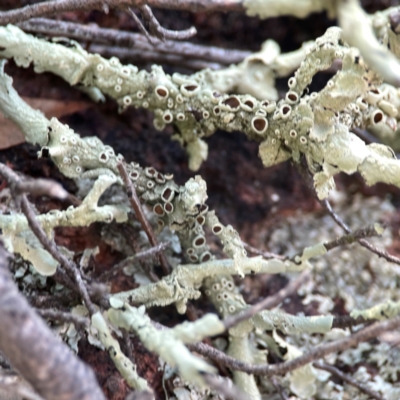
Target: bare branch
{"x":153,"y":251}
{"x":269,"y":302}
{"x":135,"y":42}
{"x":135,"y":203}
{"x":363,"y":242}
{"x":37,"y":187}
{"x":142,"y":56}
{"x":266,"y":254}
{"x":318,"y":352}
{"x":346,"y":378}
{"x":58,"y":6}
{"x":161,"y":33}
{"x":224,"y":387}
{"x":48,"y":244}
{"x":351,"y":237}
{"x":279,"y":388}
{"x":30,"y":346}
{"x":51,"y":247}
{"x":79,"y":322}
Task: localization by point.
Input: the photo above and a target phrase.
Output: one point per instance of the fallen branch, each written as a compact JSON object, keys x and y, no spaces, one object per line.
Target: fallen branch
{"x":41,"y":358}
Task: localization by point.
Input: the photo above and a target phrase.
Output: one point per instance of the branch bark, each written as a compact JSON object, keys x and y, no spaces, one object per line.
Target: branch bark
{"x":30,"y":346}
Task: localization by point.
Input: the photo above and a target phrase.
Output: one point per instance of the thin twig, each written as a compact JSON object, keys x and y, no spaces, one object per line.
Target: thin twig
{"x":128,"y":344}
{"x":279,"y":388}
{"x":137,"y":207}
{"x":351,"y":237}
{"x":265,"y":254}
{"x":153,"y":251}
{"x":13,"y":387}
{"x":363,"y":242}
{"x":14,"y":180}
{"x":34,"y":187}
{"x":351,"y":381}
{"x":269,"y":302}
{"x":135,"y":41}
{"x":58,"y":6}
{"x":394,"y":19}
{"x":32,"y":348}
{"x":161,"y":33}
{"x":368,"y":333}
{"x":80,"y":322}
{"x":346,"y":321}
{"x":51,"y":247}
{"x":146,"y":56}
{"x":224,"y":387}
{"x":140,"y":25}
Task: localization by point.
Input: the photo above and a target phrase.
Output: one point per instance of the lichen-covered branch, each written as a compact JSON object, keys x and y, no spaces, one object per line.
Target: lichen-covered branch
{"x":169,"y":343}
{"x":123,"y":363}
{"x":316,"y":125}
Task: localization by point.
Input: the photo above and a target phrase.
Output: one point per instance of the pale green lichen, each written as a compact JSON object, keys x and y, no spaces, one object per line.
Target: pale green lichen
{"x":18,"y":237}
{"x":315,"y":125}
{"x":123,"y":363}
{"x":303,"y":379}
{"x":386,"y":310}
{"x":169,"y":343}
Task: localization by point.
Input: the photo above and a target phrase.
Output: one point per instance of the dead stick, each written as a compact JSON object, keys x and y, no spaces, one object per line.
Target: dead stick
{"x":137,"y":207}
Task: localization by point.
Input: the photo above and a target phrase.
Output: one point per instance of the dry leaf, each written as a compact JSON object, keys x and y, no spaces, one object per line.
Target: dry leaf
{"x":11,"y":135}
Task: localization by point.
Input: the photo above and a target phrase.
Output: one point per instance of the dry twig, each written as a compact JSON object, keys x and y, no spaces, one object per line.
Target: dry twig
{"x":381,"y":253}
{"x":318,"y":352}
{"x":79,"y":322}
{"x":269,"y":302}
{"x":57,"y":6}
{"x":227,"y":389}
{"x":153,"y":251}
{"x":135,"y":42}
{"x":48,"y":244}
{"x":31,"y":347}
{"x":346,"y":378}
{"x":266,"y":254}
{"x":161,"y":33}
{"x":137,"y":207}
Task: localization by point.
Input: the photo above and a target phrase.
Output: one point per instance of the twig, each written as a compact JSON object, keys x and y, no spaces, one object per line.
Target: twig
{"x":265,"y":254}
{"x":143,"y":395}
{"x":161,"y":33}
{"x":224,"y":387}
{"x":31,"y":347}
{"x":129,"y":260}
{"x":318,"y":352}
{"x":344,"y":377}
{"x":56,"y":300}
{"x":394,"y":18}
{"x":351,"y":237}
{"x":80,"y":322}
{"x":135,"y":41}
{"x":137,"y":207}
{"x":37,"y":187}
{"x":128,"y":344}
{"x":51,"y":247}
{"x":363,"y":242}
{"x":269,"y":302}
{"x":59,"y":6}
{"x":346,"y":321}
{"x":14,"y":180}
{"x":14,"y":387}
{"x":279,"y":388}
{"x":140,"y":25}
{"x":141,"y":56}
